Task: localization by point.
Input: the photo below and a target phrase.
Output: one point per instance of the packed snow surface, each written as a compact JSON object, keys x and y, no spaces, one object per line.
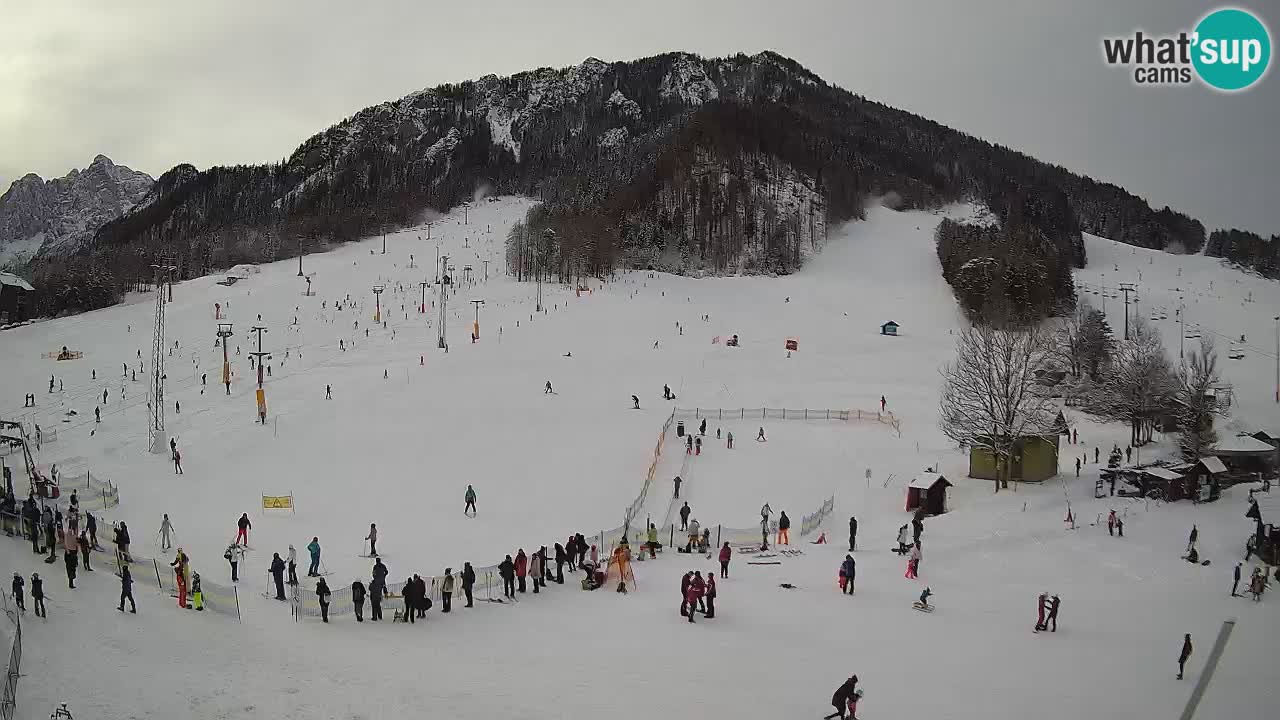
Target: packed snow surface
{"x":409,"y":426}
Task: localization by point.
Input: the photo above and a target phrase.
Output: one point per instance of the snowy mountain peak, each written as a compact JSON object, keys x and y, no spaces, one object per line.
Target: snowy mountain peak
{"x":56,"y":217}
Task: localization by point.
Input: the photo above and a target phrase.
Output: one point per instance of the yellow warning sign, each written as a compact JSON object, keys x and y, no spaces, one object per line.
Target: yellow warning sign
{"x":277,"y":502}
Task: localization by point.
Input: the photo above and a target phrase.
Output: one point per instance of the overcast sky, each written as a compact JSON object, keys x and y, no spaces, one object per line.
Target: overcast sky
{"x":152,"y":84}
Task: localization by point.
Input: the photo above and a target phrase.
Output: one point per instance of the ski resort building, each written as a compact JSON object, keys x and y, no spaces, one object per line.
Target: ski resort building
{"x":1246,"y":456}
{"x":14,"y":293}
{"x":889,"y":328}
{"x":1035,"y":459}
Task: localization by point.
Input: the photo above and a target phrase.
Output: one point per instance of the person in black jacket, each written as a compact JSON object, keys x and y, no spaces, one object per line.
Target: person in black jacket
{"x":277,"y":574}
{"x":468,"y":580}
{"x":420,"y":594}
{"x":1052,"y":620}
{"x":410,"y":594}
{"x":72,"y":562}
{"x":853,"y":534}
{"x":1182,"y":656}
{"x":560,"y":558}
{"x":582,"y":549}
{"x":507,"y":570}
{"x":18,"y":584}
{"x":37,"y":594}
{"x":684,"y":516}
{"x":322,"y":594}
{"x":377,"y":588}
{"x":83,"y":542}
{"x":840,"y":700}
{"x":126,"y":590}
{"x":357,"y":599}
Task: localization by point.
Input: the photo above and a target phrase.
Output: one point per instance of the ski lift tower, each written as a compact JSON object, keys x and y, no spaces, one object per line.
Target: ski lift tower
{"x":441,"y":341}
{"x":157,"y":440}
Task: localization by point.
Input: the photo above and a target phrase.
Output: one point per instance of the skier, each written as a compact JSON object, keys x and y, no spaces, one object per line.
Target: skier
{"x":666,"y":392}
{"x":97,"y":414}
{"x":17,"y":586}
{"x":688,"y":444}
{"x":1182,"y":656}
{"x":1041,"y":601}
{"x":1052,"y":620}
{"x":697,"y":445}
{"x":234,"y":555}
{"x":468,"y":581}
{"x":469,"y":497}
{"x":1191,"y":541}
{"x":372,"y":537}
{"x":322,"y":594}
{"x":848,"y":569}
{"x":784,"y":529}
{"x":357,"y":599}
{"x":684,"y":516}
{"x":760,"y":435}
{"x":853,"y":533}
{"x":37,"y":595}
{"x":547,"y":389}
{"x":924,"y":599}
{"x":277,"y":574}
{"x":126,"y":590}
{"x":676,"y":481}
{"x":508,"y":572}
{"x":166,"y":528}
{"x":902,"y":540}
{"x":729,"y":440}
{"x":913,"y":562}
{"x":635,"y":403}
{"x":328,"y":395}
{"x":293,"y":565}
{"x":242,"y":529}
{"x":522,"y":567}
{"x":508,"y":577}
{"x":314,"y":548}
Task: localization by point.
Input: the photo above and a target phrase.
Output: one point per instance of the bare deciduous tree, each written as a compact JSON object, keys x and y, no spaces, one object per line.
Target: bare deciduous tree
{"x":990,"y":399}
{"x":1196,"y":406}
{"x":1140,"y":384}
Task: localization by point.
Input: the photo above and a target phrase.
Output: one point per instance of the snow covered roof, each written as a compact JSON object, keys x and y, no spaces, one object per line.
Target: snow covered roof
{"x":1242,"y":444}
{"x":1213,"y":464}
{"x":1269,"y":506}
{"x":1163,"y":473}
{"x":924,"y":481}
{"x":15,"y":281}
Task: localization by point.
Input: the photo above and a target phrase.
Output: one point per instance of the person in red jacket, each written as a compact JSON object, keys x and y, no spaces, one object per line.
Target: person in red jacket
{"x":697,"y":588}
{"x":522,"y":568}
{"x":711,"y":595}
{"x":725,"y":554}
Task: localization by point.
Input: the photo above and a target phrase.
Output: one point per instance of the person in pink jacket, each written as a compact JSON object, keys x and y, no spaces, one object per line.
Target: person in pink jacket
{"x":697,"y":587}
{"x":725,"y":554}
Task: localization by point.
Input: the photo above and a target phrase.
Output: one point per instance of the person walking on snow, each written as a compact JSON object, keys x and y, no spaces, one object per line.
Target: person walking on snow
{"x":372,"y":537}
{"x":1052,"y":620}
{"x":697,"y":588}
{"x":1111,"y":523}
{"x":697,"y":446}
{"x":547,"y":390}
{"x":37,"y":596}
{"x":1191,"y":541}
{"x":1182,"y":656}
{"x":688,"y":444}
{"x":882,"y":403}
{"x":314,"y":548}
{"x":666,"y":392}
{"x":725,"y":555}
{"x":83,"y":542}
{"x":684,"y":516}
{"x":293,"y":565}
{"x":470,"y":498}
{"x":16,"y":587}
{"x":702,"y":428}
{"x":760,"y":435}
{"x":695,"y":531}
{"x":676,"y":481}
{"x":844,"y":697}
{"x":784,"y":529}
{"x":1077,"y":467}
{"x":177,"y":462}
{"x":235,"y":556}
{"x":126,"y":590}
{"x":166,"y":529}
{"x":853,"y":533}
{"x":522,"y":567}
{"x":711,"y":596}
{"x":848,"y":570}
{"x":508,"y":572}
{"x":635,"y":403}
{"x":535,"y":571}
{"x":1041,"y":602}
{"x":1235,"y":579}
{"x":277,"y":574}
{"x":729,"y":440}
{"x":242,"y":529}
{"x":328,"y":395}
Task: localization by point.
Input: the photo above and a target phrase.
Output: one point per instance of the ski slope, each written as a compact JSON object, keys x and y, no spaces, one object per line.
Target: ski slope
{"x":409,"y":426}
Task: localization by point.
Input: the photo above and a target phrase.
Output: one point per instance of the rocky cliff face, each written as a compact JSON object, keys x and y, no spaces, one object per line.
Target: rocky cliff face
{"x":57,"y":217}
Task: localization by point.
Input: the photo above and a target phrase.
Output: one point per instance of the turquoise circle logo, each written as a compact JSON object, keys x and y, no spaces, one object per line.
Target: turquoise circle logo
{"x":1232,"y":49}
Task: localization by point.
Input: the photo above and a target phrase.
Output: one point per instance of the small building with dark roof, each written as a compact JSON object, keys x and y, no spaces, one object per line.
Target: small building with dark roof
{"x":928,"y":491}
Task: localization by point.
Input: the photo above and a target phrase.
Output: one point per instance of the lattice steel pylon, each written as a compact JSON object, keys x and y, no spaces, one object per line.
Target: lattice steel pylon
{"x":157,"y":440}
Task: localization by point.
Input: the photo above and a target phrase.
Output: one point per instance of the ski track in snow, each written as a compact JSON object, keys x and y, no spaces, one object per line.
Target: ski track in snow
{"x":400,"y":452}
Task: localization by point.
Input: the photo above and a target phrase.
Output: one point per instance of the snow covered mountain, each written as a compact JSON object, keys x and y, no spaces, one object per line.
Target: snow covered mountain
{"x":56,"y":217}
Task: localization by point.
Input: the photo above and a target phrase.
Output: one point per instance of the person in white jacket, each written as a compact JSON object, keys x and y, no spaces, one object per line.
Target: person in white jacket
{"x":293,"y":565}
{"x":235,"y":556}
{"x":166,"y":529}
{"x":695,"y":533}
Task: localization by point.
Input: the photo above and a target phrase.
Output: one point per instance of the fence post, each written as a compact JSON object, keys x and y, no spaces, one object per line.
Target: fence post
{"x":671,"y":541}
{"x":717,"y":536}
{"x":157,"y":567}
{"x":237,"y":592}
{"x":720,"y":414}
